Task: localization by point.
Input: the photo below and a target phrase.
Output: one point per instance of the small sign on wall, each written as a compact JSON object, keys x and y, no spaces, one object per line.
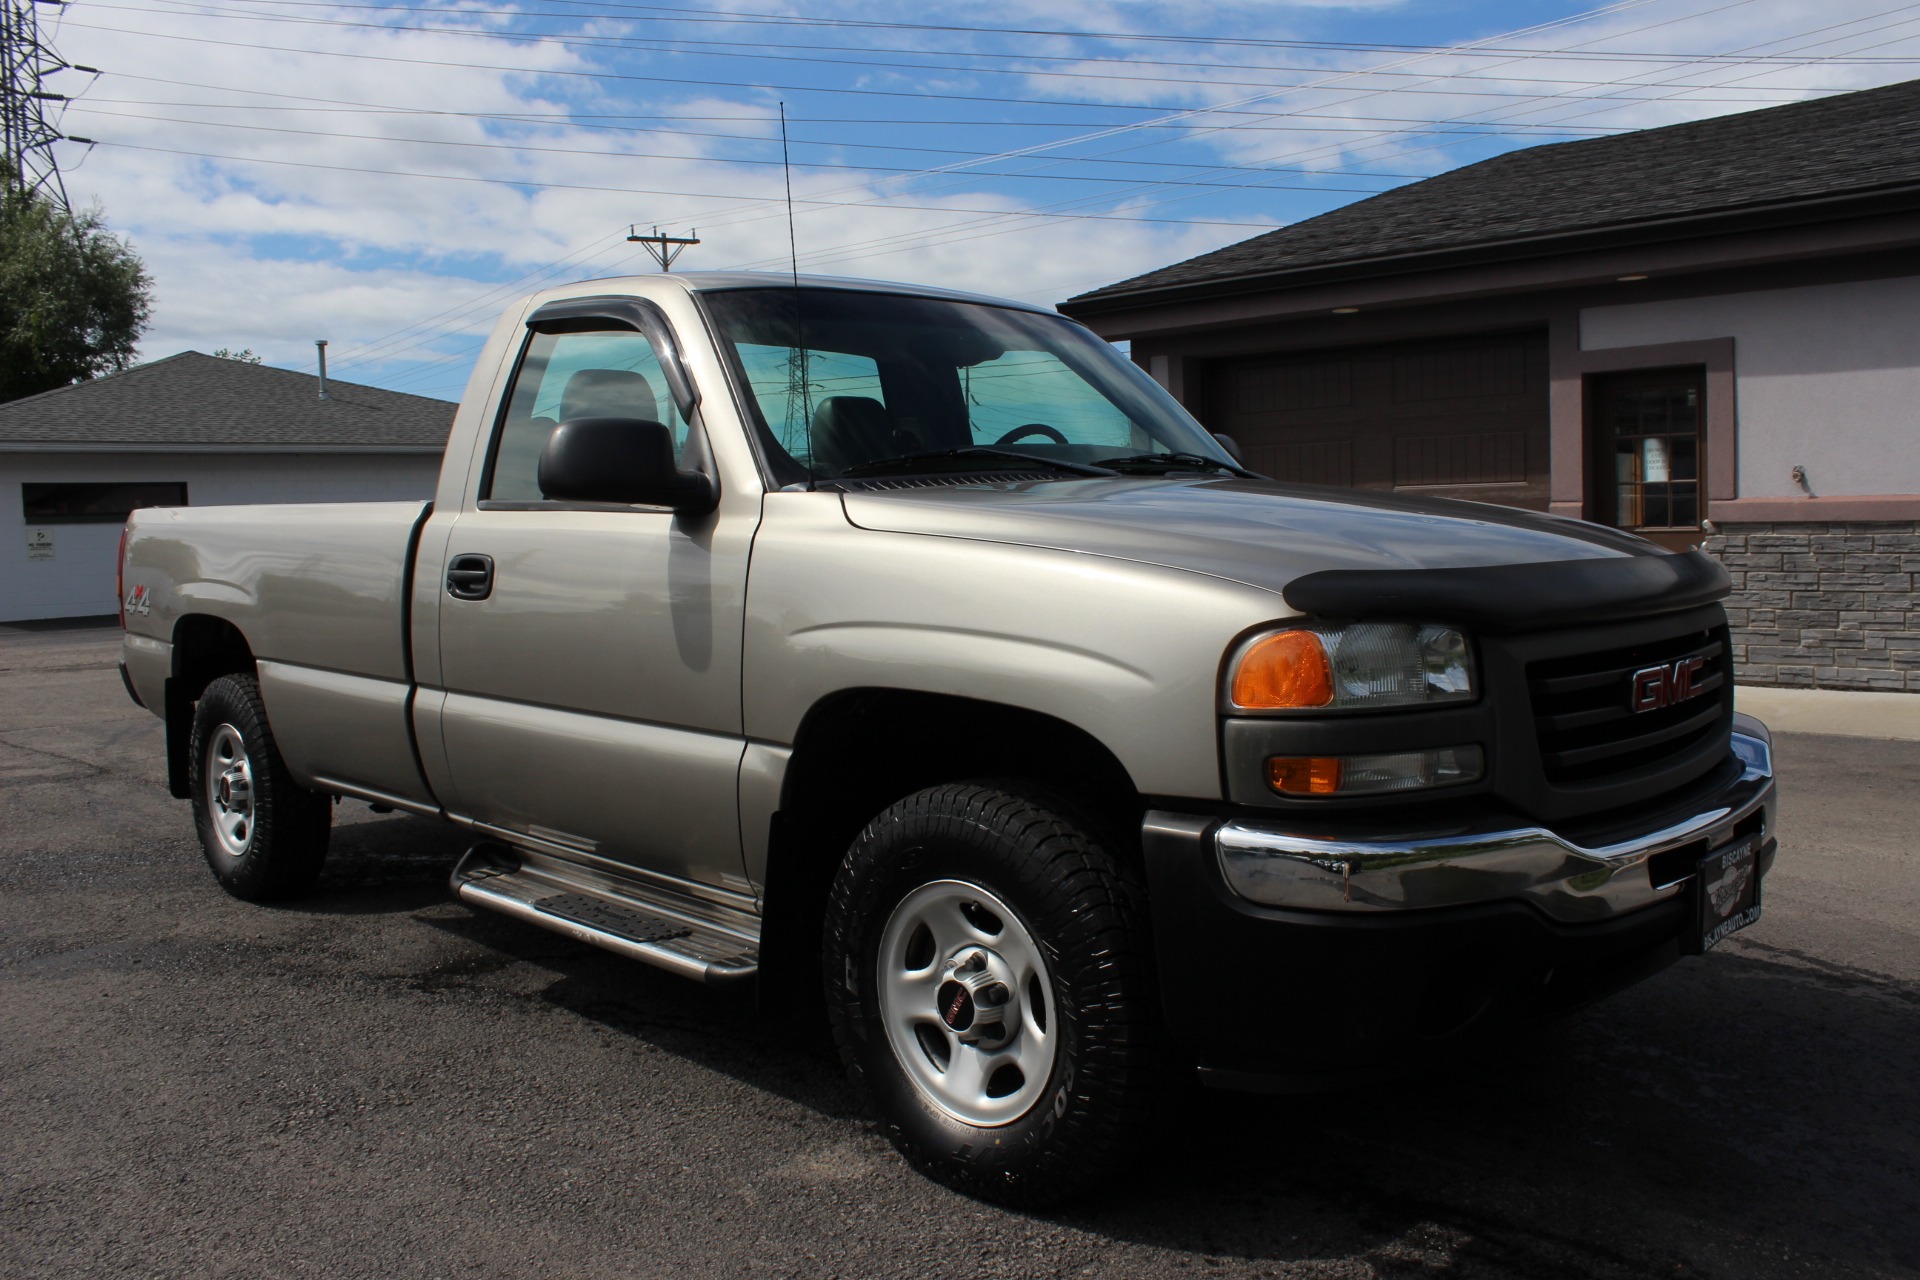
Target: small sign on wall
{"x":39,"y":544}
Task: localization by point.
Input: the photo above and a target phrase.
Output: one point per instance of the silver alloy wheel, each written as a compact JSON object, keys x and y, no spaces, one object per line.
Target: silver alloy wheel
{"x":967,"y":1003}
{"x":229,"y":775}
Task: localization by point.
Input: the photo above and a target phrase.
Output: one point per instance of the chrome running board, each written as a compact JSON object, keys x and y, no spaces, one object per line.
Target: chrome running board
{"x":693,"y":939}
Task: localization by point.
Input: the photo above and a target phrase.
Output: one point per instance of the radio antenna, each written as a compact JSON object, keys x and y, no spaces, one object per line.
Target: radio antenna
{"x":786,"y":168}
{"x":799,"y":384}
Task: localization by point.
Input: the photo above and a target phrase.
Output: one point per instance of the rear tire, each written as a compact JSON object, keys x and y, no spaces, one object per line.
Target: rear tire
{"x":989,"y":986}
{"x":264,"y":835}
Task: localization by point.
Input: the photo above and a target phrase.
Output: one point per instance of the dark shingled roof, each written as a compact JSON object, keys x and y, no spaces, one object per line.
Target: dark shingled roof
{"x":196,"y":401}
{"x":1852,"y":144}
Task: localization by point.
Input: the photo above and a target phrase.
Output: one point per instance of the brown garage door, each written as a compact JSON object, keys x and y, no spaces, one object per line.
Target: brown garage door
{"x":1459,"y":418}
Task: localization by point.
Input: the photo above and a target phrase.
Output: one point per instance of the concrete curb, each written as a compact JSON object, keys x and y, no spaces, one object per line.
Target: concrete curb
{"x":1845,"y":712}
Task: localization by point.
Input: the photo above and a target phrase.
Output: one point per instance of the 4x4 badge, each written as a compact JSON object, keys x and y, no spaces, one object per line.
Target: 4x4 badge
{"x":1666,"y":685}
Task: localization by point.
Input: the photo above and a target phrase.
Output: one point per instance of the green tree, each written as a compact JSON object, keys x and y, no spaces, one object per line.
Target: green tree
{"x":244,"y":355}
{"x":74,"y":297}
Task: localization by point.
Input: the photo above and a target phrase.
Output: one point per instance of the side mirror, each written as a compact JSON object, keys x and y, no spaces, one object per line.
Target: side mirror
{"x":625,"y":460}
{"x":1232,"y":447}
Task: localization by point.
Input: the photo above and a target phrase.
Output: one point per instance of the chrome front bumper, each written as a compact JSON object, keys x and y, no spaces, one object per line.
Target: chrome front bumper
{"x":1266,"y":863}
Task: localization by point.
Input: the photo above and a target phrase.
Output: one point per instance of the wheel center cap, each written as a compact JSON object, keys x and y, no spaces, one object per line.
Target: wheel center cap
{"x":976,"y":998}
{"x":226,"y":791}
{"x":956,"y":1005}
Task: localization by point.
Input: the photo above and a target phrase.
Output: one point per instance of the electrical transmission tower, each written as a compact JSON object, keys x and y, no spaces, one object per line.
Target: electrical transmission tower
{"x":29,"y":108}
{"x":800,"y":389}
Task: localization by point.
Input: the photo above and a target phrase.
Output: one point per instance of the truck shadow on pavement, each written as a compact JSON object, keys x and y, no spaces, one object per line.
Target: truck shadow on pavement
{"x":1748,"y":1114}
{"x":1731,"y":1119}
{"x":381,"y":863}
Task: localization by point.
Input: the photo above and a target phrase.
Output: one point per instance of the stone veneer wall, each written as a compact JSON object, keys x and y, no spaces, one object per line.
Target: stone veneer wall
{"x":1827,"y":606}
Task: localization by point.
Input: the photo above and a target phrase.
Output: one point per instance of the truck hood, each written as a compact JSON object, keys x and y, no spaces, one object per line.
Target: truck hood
{"x":1256,"y":532}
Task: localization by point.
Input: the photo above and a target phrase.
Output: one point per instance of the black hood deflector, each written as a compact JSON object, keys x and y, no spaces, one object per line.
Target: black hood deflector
{"x":1512,"y":598}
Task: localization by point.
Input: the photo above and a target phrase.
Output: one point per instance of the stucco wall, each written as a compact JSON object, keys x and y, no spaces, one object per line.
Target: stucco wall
{"x":1827,"y":377}
{"x":78,"y":581}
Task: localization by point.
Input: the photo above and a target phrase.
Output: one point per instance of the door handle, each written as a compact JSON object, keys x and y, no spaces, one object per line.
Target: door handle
{"x":470,"y":577}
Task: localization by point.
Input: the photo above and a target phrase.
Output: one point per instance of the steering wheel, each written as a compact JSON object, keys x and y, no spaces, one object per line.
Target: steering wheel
{"x":1032,"y":429}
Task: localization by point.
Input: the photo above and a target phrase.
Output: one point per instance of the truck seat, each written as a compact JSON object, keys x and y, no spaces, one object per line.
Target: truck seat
{"x":608,"y":393}
{"x":849,"y":430}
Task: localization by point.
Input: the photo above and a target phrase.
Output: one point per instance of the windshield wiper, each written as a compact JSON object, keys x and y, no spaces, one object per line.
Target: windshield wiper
{"x":1177,"y":461}
{"x":908,"y":461}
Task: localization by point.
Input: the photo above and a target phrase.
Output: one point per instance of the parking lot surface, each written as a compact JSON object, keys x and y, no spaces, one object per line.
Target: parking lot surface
{"x":380,"y":1082}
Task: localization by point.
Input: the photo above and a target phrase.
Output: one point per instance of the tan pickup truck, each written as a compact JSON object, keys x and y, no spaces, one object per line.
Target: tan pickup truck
{"x":916,"y":649}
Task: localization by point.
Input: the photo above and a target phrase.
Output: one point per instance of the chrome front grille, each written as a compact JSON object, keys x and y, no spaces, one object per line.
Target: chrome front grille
{"x":1583,"y":707}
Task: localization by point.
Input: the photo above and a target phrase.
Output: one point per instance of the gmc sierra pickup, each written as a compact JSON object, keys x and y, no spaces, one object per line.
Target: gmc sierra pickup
{"x":917,"y":649}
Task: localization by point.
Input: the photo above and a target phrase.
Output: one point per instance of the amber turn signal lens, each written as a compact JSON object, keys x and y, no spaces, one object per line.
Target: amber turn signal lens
{"x":1304,"y":775}
{"x":1287,"y":669}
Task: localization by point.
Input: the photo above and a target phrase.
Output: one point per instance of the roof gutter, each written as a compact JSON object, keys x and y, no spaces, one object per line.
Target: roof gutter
{"x":1893,"y":199}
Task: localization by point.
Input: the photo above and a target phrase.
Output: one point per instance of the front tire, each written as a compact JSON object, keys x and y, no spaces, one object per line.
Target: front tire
{"x":989,"y":985}
{"x":264,"y":835}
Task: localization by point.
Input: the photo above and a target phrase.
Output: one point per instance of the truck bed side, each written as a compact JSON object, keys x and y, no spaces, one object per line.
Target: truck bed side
{"x":314,"y":598}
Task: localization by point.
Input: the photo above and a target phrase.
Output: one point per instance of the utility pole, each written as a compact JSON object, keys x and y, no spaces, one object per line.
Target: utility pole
{"x":664,"y":249}
{"x":28,"y":130}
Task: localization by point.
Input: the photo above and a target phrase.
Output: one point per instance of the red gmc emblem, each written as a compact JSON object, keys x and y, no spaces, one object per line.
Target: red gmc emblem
{"x":1667,"y":685}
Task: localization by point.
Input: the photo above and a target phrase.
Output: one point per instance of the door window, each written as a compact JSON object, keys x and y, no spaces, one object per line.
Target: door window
{"x":1648,"y":446}
{"x":610,"y":374}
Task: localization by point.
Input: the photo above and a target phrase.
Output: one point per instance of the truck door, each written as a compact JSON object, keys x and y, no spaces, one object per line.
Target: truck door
{"x":590,"y":653}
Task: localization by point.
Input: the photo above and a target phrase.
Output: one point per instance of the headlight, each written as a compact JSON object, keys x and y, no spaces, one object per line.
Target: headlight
{"x":1359,"y":666}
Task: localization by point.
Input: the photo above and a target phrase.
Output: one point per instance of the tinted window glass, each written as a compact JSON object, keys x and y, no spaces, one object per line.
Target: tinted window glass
{"x":789,"y":382}
{"x":611,"y":374}
{"x":847,"y":383}
{"x":1030,"y":389}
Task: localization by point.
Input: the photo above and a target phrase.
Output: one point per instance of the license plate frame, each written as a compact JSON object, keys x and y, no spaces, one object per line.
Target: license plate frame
{"x":1726,"y":893}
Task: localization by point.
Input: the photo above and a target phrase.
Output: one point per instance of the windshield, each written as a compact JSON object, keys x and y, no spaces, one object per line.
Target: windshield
{"x":847,"y":384}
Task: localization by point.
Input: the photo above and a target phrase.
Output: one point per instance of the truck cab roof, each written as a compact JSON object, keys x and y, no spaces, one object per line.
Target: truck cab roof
{"x":654,"y":283}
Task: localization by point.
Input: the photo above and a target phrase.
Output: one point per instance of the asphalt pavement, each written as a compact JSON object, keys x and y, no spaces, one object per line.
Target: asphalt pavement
{"x":382,"y":1082}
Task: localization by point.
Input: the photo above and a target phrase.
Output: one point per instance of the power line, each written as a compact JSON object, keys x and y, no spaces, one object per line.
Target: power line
{"x":347,"y":109}
{"x":948,"y":236}
{"x":734,"y":49}
{"x":922,"y":240}
{"x":912,"y":241}
{"x":573,"y":117}
{"x":1455,"y":133}
{"x":732,"y":17}
{"x":1123,"y":129}
{"x":644,"y":191}
{"x":1230,"y":106}
{"x":708,"y":82}
{"x":364,"y":351}
{"x":702,"y":159}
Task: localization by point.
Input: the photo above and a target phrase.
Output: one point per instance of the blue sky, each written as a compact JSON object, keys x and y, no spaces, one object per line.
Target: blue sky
{"x":386,"y":176}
